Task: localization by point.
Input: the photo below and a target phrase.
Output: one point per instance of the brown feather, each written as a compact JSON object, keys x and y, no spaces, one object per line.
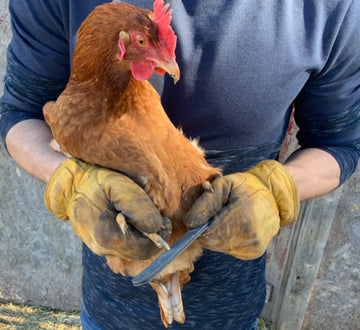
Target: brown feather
{"x":106,"y":117}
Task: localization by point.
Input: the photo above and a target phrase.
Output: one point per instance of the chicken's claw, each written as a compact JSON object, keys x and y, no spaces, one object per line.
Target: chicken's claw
{"x":155,"y":238}
{"x":120,"y":219}
{"x":206,"y":185}
{"x":158,"y":241}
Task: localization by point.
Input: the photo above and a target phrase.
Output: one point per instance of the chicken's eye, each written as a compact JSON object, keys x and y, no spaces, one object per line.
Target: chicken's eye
{"x":141,"y":41}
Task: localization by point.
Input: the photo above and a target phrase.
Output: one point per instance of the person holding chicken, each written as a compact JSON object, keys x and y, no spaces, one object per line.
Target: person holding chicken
{"x":244,"y":66}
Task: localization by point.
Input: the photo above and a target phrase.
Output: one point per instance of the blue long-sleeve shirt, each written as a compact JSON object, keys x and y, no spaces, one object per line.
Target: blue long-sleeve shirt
{"x":244,"y":64}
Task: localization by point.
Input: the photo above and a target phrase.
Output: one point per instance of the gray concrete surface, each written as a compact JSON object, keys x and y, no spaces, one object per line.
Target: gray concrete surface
{"x":40,"y":257}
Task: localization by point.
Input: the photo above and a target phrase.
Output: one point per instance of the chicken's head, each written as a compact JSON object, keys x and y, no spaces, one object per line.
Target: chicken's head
{"x":151,"y":50}
{"x":118,"y":39}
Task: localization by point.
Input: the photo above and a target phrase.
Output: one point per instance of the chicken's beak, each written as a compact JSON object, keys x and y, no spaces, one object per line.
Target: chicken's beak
{"x":169,"y":66}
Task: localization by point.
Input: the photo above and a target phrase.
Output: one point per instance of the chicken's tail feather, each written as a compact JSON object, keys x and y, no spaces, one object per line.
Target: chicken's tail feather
{"x":170,"y":300}
{"x":176,"y":299}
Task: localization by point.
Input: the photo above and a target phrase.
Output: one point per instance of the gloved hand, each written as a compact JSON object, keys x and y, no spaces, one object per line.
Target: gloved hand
{"x":92,"y":196}
{"x":248,"y":207}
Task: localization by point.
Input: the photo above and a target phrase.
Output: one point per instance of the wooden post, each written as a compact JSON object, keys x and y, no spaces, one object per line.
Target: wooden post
{"x":306,"y":240}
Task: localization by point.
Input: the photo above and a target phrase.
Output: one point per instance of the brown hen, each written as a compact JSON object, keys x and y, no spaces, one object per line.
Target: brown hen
{"x":110,"y":115}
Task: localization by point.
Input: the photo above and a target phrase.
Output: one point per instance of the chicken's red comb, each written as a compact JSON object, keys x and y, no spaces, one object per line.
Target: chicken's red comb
{"x":162,"y":19}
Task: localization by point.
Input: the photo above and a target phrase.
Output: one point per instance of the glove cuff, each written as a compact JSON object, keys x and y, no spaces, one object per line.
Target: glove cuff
{"x":283,"y":187}
{"x":61,"y":185}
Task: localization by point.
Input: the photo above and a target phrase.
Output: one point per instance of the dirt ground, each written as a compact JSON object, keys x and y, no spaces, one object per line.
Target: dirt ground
{"x":13,"y":316}
{"x":31,"y":317}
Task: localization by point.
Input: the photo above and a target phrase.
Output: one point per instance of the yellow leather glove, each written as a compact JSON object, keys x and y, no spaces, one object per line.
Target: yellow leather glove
{"x":92,"y":196}
{"x":248,"y":207}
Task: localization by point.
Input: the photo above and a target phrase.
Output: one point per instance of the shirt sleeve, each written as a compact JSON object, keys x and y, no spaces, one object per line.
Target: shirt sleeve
{"x":37,"y":61}
{"x":327,"y":110}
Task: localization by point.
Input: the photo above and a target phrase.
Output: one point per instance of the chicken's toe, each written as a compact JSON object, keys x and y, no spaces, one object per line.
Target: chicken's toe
{"x":158,"y":241}
{"x":206,"y":185}
{"x":120,"y":219}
